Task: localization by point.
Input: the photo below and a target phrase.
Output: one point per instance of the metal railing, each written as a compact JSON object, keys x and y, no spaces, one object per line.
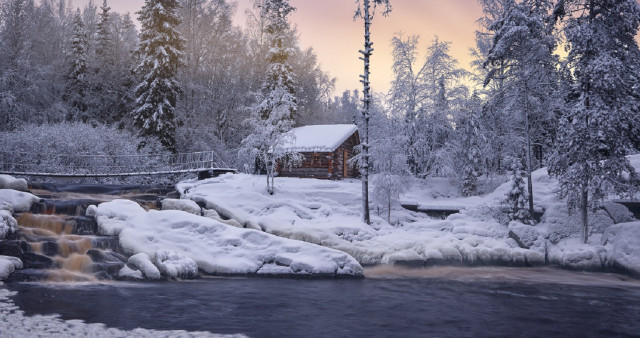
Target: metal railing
{"x":106,"y":165}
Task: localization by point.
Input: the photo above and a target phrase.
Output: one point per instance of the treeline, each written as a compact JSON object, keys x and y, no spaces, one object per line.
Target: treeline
{"x":62,"y":64}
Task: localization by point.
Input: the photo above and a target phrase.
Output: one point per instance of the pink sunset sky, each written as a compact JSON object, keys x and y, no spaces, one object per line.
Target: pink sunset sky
{"x":328,"y":27}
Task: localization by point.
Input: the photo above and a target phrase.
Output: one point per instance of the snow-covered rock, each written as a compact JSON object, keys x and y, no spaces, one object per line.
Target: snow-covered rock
{"x":8,"y":265}
{"x":129,"y":273}
{"x":525,"y":235}
{"x":221,"y":249}
{"x":8,"y":224}
{"x":20,"y":201}
{"x":176,"y":265}
{"x":111,"y":216}
{"x":618,"y":212}
{"x":142,"y":262}
{"x":181,"y":204}
{"x":9,"y":182}
{"x":622,"y":242}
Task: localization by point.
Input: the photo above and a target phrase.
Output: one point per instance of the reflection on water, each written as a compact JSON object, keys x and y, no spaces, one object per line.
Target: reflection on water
{"x":443,"y":302}
{"x":547,"y":275}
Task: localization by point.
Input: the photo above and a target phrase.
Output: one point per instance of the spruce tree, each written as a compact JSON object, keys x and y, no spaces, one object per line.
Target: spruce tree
{"x":160,"y":51}
{"x":75,"y":93}
{"x":518,"y":196}
{"x":600,"y":123}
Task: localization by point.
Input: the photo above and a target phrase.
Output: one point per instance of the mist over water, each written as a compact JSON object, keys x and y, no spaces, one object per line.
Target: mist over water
{"x":390,"y":302}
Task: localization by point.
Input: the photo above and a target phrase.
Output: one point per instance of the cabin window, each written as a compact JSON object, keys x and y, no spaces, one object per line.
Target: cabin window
{"x":316,"y":159}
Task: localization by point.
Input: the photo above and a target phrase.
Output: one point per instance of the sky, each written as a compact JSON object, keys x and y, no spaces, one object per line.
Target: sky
{"x":328,"y":27}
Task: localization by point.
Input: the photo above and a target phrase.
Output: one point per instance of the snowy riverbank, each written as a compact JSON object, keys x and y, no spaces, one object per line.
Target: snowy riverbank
{"x":327,"y":213}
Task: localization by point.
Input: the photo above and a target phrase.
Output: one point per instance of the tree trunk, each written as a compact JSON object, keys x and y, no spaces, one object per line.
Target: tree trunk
{"x":585,"y":213}
{"x":364,"y":163}
{"x":528,"y":128}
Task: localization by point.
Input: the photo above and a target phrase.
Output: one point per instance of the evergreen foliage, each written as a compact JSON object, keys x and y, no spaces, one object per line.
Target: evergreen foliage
{"x":160,"y":50}
{"x":518,"y":196}
{"x":600,"y":122}
{"x":76,"y":77}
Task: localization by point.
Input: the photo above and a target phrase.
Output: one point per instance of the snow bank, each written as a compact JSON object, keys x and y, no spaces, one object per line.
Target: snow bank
{"x":622,"y":242}
{"x":8,"y":265}
{"x":184,"y":205}
{"x":14,"y":323}
{"x":177,"y":244}
{"x":327,"y":213}
{"x":175,"y":238}
{"x":111,"y":216}
{"x":9,"y":182}
{"x":18,"y":200}
{"x":8,"y":224}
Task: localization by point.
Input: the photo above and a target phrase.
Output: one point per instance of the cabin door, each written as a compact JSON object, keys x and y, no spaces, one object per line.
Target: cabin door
{"x":345,"y":167}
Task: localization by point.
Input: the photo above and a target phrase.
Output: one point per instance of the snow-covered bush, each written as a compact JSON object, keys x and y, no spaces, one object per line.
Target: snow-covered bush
{"x":79,"y":147}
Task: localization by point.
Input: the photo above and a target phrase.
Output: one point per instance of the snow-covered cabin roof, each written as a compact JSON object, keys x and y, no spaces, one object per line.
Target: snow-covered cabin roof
{"x":319,"y":138}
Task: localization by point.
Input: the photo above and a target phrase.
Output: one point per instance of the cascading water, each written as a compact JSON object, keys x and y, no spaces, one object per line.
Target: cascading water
{"x":58,"y":243}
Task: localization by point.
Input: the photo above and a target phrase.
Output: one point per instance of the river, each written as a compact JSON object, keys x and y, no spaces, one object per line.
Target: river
{"x":390,"y":302}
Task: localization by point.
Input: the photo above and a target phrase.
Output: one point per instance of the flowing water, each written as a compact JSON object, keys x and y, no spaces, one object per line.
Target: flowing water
{"x":390,"y":302}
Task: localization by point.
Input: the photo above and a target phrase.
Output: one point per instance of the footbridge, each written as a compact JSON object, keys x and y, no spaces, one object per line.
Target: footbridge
{"x":205,"y":163}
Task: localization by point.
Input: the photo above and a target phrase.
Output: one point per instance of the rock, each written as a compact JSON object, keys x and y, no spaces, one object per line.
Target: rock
{"x":8,"y":265}
{"x":106,"y":243}
{"x":27,"y":275}
{"x":85,"y":226}
{"x":181,"y":204}
{"x":143,"y":263}
{"x":100,"y":256}
{"x":127,"y":273}
{"x":176,"y":265}
{"x":9,"y":182}
{"x":8,"y":224}
{"x":33,"y":260}
{"x":20,"y":201}
{"x":107,"y":270}
{"x":14,"y":248}
{"x":618,"y":212}
{"x":50,"y":248}
{"x":524,"y":235}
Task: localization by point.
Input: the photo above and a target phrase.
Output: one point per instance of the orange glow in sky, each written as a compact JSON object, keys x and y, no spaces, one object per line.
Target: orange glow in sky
{"x":328,"y":27}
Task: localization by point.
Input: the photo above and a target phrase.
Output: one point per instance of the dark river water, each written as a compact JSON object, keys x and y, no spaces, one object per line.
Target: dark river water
{"x":441,"y":302}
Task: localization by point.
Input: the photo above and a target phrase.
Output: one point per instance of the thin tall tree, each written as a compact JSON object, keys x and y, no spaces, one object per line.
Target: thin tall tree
{"x":366,"y":12}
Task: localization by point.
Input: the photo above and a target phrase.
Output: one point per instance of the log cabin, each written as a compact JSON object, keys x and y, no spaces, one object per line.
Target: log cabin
{"x":326,"y":150}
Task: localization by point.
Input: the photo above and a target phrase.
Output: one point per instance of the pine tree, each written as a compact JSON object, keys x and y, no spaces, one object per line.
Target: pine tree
{"x":76,"y":77}
{"x":600,"y":124}
{"x":521,"y":58}
{"x":160,"y":49}
{"x":366,"y":12}
{"x":272,"y":118}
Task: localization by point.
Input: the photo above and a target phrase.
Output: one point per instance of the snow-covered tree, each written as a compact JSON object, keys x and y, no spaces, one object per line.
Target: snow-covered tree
{"x":366,"y":12}
{"x":470,"y":151}
{"x":160,"y":50}
{"x":600,"y":124}
{"x":272,"y":118}
{"x":104,"y":38}
{"x":521,"y":59}
{"x":407,"y":94}
{"x":77,"y":62}
{"x":389,"y":160}
{"x":518,"y":196}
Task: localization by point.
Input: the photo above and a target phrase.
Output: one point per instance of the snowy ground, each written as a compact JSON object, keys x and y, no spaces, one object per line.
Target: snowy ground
{"x":327,"y":213}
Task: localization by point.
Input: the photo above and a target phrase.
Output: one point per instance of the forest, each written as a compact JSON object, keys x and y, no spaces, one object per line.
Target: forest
{"x":554,"y":83}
